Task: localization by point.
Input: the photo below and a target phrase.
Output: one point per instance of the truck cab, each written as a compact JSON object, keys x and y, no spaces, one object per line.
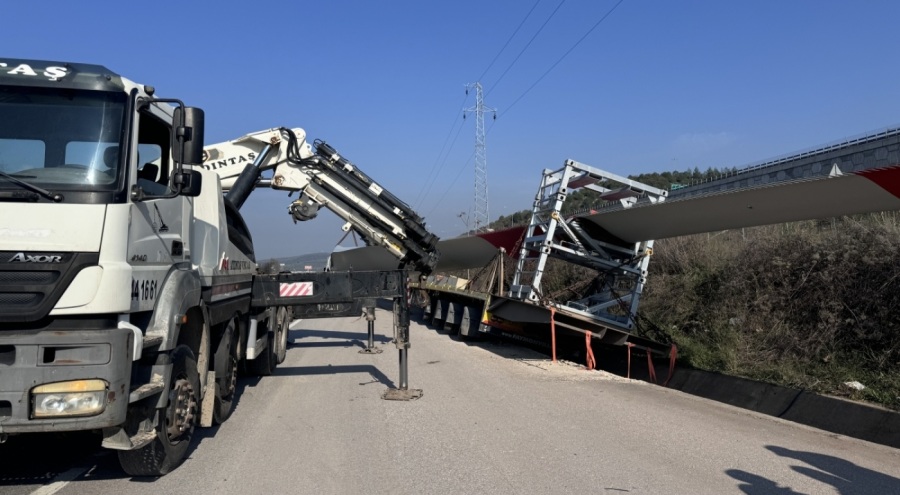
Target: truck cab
{"x":96,"y":222}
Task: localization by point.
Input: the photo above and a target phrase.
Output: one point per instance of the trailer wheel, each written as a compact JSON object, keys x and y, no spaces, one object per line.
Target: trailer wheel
{"x":443,"y":311}
{"x":428,"y":311}
{"x":174,"y":424}
{"x":435,"y":313}
{"x":281,"y":334}
{"x":226,"y":358}
{"x":470,"y":321}
{"x":454,"y":314}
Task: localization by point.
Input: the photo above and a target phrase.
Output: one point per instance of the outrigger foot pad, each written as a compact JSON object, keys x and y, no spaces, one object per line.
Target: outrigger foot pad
{"x":402,"y":394}
{"x":370,"y":350}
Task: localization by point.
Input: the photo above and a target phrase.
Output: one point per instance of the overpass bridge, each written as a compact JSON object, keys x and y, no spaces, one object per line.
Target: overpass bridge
{"x":876,"y":149}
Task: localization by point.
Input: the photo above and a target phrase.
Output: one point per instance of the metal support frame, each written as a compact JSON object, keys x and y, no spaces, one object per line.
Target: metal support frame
{"x":370,"y":319}
{"x":345,"y":293}
{"x":621,"y":267}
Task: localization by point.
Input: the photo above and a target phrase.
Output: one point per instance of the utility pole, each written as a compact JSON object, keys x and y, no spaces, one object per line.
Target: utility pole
{"x":480,"y":213}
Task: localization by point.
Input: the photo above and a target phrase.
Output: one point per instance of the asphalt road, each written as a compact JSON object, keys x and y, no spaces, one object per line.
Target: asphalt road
{"x":493,"y":419}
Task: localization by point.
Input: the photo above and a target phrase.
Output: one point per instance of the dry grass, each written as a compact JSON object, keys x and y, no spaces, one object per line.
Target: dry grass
{"x":809,"y":305}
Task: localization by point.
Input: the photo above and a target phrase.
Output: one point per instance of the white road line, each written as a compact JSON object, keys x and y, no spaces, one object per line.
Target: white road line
{"x":60,"y":481}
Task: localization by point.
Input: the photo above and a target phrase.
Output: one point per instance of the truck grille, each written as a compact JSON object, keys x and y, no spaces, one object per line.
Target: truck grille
{"x":20,"y":299}
{"x":32,"y":282}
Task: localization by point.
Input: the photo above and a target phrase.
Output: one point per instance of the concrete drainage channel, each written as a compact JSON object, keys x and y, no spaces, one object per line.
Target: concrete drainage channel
{"x":844,"y":417}
{"x":841,"y":416}
{"x":836,"y":415}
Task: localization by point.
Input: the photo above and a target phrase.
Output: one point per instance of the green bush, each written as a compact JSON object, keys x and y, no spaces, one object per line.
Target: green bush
{"x":809,"y":305}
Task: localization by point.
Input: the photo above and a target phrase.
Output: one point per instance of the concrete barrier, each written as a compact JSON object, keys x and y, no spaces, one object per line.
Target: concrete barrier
{"x":845,"y":417}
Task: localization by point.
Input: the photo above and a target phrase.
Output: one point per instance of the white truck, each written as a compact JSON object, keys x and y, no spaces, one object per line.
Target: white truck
{"x":129,"y":291}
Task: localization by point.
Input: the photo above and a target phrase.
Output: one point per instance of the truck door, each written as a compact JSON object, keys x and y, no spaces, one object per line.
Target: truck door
{"x":158,"y":234}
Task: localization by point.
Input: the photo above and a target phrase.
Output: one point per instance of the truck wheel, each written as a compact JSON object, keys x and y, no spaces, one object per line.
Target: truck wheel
{"x":174,"y":424}
{"x":437,"y":313}
{"x":454,"y":317}
{"x":226,"y":367}
{"x":470,"y":321}
{"x":264,"y":364}
{"x":440,"y":322}
{"x":281,"y":335}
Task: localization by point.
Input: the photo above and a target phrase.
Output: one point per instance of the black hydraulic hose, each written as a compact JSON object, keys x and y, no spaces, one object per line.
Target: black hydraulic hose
{"x":243,"y":186}
{"x":420,"y":247}
{"x":360,"y":182}
{"x":424,"y":257}
{"x":328,"y":152}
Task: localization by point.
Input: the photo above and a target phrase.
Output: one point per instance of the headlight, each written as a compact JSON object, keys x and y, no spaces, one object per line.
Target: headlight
{"x":75,"y":398}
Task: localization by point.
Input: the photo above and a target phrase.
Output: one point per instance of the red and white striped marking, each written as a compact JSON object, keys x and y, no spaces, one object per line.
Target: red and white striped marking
{"x":296,"y":289}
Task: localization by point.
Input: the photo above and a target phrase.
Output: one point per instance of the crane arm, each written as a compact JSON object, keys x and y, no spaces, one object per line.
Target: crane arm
{"x":323,"y":178}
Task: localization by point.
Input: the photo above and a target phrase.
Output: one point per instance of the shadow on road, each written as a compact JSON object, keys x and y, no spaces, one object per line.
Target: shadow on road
{"x":374,"y":372}
{"x":35,"y":459}
{"x":846,"y":477}
{"x":753,"y":484}
{"x":295,"y":337}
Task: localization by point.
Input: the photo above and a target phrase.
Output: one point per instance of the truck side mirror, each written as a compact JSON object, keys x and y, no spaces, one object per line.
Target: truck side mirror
{"x":189,"y":127}
{"x":188,"y":183}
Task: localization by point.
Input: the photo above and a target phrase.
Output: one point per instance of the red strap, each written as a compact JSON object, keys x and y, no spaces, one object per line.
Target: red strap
{"x":650,"y":368}
{"x":673,"y":354}
{"x":591,"y":362}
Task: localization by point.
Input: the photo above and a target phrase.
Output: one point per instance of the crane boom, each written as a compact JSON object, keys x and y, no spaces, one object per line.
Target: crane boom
{"x":323,"y":178}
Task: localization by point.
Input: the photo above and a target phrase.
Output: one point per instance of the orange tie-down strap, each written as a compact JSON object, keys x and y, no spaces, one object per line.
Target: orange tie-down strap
{"x":591,"y":361}
{"x":651,"y":370}
{"x":589,"y":352}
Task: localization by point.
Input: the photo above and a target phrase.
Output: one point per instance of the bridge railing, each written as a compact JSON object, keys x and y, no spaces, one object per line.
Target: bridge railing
{"x":789,"y":157}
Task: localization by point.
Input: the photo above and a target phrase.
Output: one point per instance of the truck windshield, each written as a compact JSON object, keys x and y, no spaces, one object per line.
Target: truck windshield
{"x":63,"y":140}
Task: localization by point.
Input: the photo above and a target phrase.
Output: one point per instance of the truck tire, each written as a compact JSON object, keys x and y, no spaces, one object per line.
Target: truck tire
{"x":281,"y":334}
{"x":226,"y":362}
{"x":437,"y":310}
{"x":470,"y":321}
{"x":264,"y":364}
{"x":174,"y":424}
{"x":440,"y":322}
{"x":454,"y":317}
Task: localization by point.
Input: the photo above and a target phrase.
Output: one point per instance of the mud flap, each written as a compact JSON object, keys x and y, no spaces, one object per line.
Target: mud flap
{"x":209,"y":400}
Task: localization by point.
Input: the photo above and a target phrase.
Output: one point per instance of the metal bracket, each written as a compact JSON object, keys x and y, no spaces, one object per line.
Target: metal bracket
{"x":401,"y":394}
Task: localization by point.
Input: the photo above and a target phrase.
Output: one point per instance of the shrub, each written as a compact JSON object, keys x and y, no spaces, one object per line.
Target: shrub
{"x":810,"y":304}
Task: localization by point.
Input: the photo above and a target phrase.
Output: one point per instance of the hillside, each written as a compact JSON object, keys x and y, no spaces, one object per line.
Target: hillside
{"x":811,"y":305}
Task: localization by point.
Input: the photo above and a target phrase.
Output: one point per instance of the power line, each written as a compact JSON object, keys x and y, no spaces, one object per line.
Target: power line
{"x":438,"y":164}
{"x":526,"y":46}
{"x":610,"y":11}
{"x":450,"y":186}
{"x":462,"y":168}
{"x":508,"y":40}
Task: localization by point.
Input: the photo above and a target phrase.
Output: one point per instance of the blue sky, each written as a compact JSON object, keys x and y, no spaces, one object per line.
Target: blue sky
{"x":658,"y":85}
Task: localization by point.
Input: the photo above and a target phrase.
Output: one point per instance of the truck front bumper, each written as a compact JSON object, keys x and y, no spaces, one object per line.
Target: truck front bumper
{"x":32,"y":358}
